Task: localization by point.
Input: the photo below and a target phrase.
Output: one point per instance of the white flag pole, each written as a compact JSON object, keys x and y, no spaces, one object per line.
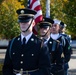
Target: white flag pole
{"x":48,"y":8}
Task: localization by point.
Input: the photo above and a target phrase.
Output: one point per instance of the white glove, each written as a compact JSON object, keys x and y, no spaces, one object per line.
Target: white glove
{"x":18,"y":74}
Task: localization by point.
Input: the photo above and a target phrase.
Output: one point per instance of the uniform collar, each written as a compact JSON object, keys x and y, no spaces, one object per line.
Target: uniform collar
{"x":54,"y":36}
{"x":27,"y":37}
{"x":46,"y":40}
{"x":63,"y":33}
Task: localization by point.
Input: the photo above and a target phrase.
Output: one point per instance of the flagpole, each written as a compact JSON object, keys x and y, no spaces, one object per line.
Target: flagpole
{"x":48,"y":8}
{"x":28,"y":6}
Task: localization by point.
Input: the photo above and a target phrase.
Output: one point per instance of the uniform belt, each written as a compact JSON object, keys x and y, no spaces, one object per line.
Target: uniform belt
{"x":55,"y":64}
{"x":27,"y":72}
{"x":59,"y":70}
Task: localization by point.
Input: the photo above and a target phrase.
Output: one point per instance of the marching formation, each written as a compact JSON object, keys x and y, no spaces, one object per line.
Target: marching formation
{"x":48,"y":53}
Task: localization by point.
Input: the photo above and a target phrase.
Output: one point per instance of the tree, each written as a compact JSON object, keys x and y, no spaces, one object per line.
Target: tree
{"x":8,"y":19}
{"x":70,"y":14}
{"x":1,"y":1}
{"x":63,"y":10}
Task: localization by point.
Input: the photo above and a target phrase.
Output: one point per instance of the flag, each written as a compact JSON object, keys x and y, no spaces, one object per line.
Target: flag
{"x":35,"y":5}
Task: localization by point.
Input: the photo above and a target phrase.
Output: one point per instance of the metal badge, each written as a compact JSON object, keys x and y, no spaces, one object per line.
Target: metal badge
{"x":22,"y":12}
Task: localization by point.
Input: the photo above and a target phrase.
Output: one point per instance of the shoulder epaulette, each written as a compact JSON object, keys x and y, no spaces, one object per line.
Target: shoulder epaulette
{"x":57,"y":41}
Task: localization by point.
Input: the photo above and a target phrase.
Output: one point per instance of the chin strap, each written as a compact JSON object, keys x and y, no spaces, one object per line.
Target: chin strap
{"x":45,"y":33}
{"x":29,"y":25}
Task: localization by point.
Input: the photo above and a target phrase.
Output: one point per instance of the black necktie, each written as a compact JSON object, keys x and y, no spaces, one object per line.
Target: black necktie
{"x":24,"y":40}
{"x":44,"y":40}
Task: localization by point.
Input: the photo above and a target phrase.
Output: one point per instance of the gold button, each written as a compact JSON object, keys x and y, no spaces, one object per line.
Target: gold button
{"x":21,"y":69}
{"x":32,"y":54}
{"x":50,"y":42}
{"x":32,"y":39}
{"x":22,"y":55}
{"x":21,"y":62}
{"x":13,"y":53}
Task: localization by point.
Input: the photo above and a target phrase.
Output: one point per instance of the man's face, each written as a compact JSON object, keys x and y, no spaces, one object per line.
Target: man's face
{"x":55,"y":28}
{"x":24,"y":26}
{"x":62,"y":30}
{"x":43,"y":31}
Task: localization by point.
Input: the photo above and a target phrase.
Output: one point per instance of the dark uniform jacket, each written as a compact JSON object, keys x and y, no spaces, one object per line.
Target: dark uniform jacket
{"x":66,"y":66}
{"x":66,"y":48}
{"x":33,"y":56}
{"x":67,"y":37}
{"x":55,"y":51}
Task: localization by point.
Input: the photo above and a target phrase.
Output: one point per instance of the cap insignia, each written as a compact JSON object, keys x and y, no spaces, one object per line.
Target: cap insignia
{"x":22,"y":11}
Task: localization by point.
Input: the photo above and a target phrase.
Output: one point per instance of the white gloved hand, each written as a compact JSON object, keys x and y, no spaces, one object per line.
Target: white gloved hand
{"x":18,"y":74}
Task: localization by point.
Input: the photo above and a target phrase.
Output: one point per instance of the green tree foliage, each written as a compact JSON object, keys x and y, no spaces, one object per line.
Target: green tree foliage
{"x":1,"y":1}
{"x":8,"y":19}
{"x":70,"y":13}
{"x":23,"y":2}
{"x":63,"y":10}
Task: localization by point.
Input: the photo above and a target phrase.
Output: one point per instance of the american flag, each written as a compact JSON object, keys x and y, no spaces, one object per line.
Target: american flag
{"x":35,"y":5}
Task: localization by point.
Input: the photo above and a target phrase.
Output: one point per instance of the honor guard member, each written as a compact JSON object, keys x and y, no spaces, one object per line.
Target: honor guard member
{"x":64,"y":42}
{"x":25,"y":54}
{"x":54,"y":47}
{"x":62,"y":32}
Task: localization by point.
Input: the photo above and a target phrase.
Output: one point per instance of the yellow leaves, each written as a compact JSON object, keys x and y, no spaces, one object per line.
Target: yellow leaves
{"x":65,"y":0}
{"x":10,"y":6}
{"x":12,"y":3}
{"x":5,"y":5}
{"x":8,"y":16}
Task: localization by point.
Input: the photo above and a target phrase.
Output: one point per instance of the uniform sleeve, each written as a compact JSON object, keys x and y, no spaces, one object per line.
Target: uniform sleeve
{"x":57,"y":60}
{"x":58,"y":54}
{"x":69,"y":41}
{"x":7,"y":67}
{"x":44,"y":61}
{"x":67,"y":51}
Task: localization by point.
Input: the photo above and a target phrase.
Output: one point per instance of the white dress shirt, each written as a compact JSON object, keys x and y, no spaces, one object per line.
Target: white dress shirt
{"x":54,"y":36}
{"x":46,"y":40}
{"x":27,"y":37}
